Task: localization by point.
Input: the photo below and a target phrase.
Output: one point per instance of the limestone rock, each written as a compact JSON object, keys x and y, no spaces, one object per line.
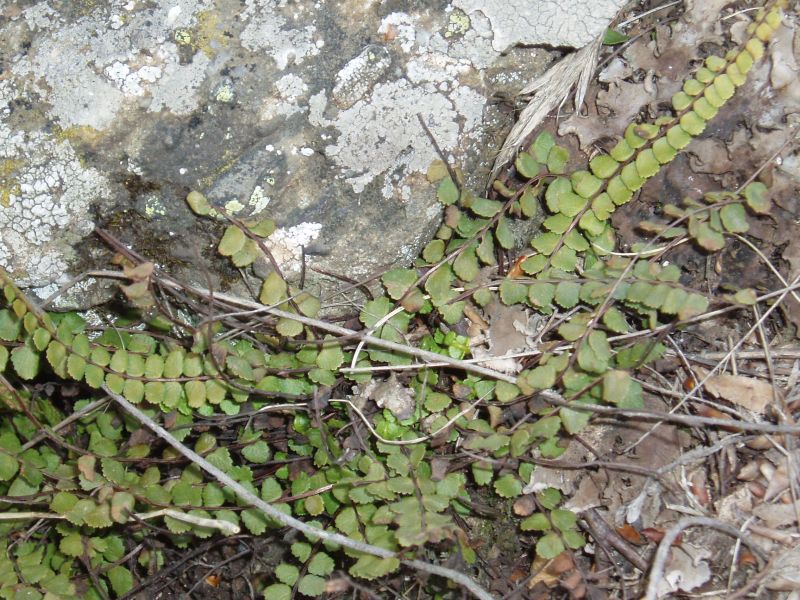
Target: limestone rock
{"x":111,"y":112}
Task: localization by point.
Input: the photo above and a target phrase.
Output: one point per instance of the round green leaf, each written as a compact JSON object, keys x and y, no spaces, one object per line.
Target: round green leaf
{"x":535,"y":522}
{"x":287,"y":573}
{"x":603,"y":166}
{"x":692,"y":123}
{"x":447,"y":192}
{"x":526,"y":165}
{"x":549,"y":546}
{"x":508,"y":486}
{"x":25,"y":361}
{"x":278,"y":591}
{"x":232,"y":241}
{"x":678,"y":138}
{"x":311,"y":585}
{"x":734,"y":218}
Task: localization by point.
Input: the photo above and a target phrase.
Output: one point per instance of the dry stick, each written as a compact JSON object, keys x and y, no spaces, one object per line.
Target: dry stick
{"x":614,"y":539}
{"x":274,"y":513}
{"x":672,"y":534}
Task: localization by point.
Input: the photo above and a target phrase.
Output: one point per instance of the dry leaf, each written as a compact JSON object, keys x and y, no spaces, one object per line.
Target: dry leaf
{"x":629,"y":534}
{"x":748,"y":392}
{"x":776,"y":516}
{"x":524,"y":506}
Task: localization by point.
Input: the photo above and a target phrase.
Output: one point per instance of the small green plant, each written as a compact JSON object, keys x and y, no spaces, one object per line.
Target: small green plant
{"x":193,"y":362}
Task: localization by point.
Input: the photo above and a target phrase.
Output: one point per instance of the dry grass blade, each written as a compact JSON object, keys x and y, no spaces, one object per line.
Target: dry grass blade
{"x":550,"y":90}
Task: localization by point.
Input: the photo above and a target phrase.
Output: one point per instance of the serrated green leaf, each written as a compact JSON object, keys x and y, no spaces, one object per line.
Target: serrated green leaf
{"x":549,"y":546}
{"x":41,"y":338}
{"x":278,"y":591}
{"x":585,"y":184}
{"x":574,"y":420}
{"x":512,"y":292}
{"x":25,"y":362}
{"x":434,"y":251}
{"x":723,"y":85}
{"x":756,"y":194}
{"x":567,"y":293}
{"x":508,"y":486}
{"x":273,"y":290}
{"x":541,"y":294}
{"x":545,"y":427}
{"x":257,"y":453}
{"x":557,"y":160}
{"x":506,"y":392}
{"x":372,"y":567}
{"x":734,"y":218}
{"x":535,"y":522}
{"x":708,"y":238}
{"x":630,"y":177}
{"x":287,"y":573}
{"x":466,"y":265}
{"x":398,"y":281}
{"x":565,"y":259}
{"x":527,"y":165}
{"x":504,"y":235}
{"x":557,"y":223}
{"x":529,"y":203}
{"x":705,"y":109}
{"x":9,"y":466}
{"x":540,"y":378}
{"x":563,"y":519}
{"x":232,"y":241}
{"x":603,"y":166}
{"x":692,"y":123}
{"x":618,"y":191}
{"x":254,"y":520}
{"x":695,"y":304}
{"x":621,"y":152}
{"x":311,"y":585}
{"x":198,"y":203}
{"x":321,"y":564}
{"x":447,"y":192}
{"x":541,"y":146}
{"x":746,"y":296}
{"x":646,"y":163}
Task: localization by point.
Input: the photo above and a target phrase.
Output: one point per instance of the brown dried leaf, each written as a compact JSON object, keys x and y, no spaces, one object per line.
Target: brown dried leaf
{"x":629,"y":534}
{"x":524,"y":505}
{"x":139,"y":272}
{"x":752,"y":394}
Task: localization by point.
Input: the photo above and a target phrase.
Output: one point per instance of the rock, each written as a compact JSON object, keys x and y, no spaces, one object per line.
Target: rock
{"x":111,"y":112}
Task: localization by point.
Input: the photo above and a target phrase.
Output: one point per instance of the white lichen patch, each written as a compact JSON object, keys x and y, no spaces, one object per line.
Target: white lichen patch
{"x":48,"y":208}
{"x":401,"y":27}
{"x":290,"y":90}
{"x":268,"y":30}
{"x":88,"y":69}
{"x":258,"y":200}
{"x":543,"y":21}
{"x":131,"y":82}
{"x":286,"y":244}
{"x":358,"y":76}
{"x":383,"y":133}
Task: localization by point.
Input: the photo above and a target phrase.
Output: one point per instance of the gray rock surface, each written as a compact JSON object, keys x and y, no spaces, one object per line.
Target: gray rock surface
{"x":110,"y":112}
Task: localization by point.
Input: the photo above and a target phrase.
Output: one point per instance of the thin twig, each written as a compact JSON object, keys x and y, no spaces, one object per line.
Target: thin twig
{"x":287,"y":520}
{"x":672,"y":534}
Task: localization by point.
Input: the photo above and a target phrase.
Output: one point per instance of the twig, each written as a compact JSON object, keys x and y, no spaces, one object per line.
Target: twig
{"x":672,"y":534}
{"x":287,"y":520}
{"x":602,"y":529}
{"x":450,"y":171}
{"x":78,"y":414}
{"x":225,"y":527}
